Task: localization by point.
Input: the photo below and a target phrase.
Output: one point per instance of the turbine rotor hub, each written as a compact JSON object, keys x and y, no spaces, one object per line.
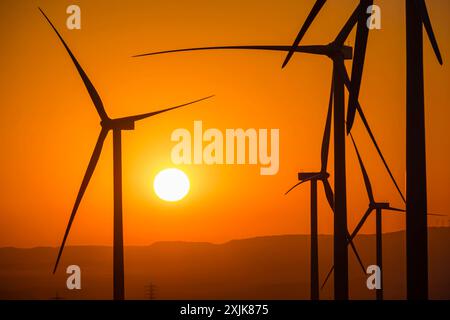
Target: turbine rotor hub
{"x":337,"y":50}
{"x":381,"y":205}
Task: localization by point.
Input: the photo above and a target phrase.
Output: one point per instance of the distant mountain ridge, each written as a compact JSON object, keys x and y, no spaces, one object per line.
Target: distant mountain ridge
{"x":267,"y":267}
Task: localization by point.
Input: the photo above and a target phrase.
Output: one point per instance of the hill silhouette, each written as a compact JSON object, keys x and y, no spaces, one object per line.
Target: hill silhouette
{"x":270,"y":267}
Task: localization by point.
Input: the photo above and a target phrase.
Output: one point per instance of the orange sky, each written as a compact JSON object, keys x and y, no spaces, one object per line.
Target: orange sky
{"x":49,"y":125}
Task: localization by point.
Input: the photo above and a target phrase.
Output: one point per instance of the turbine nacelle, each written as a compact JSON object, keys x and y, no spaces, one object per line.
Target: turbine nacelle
{"x":117,"y":124}
{"x":380,"y":205}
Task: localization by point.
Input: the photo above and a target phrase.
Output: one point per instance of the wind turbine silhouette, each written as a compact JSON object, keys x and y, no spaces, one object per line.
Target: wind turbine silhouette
{"x":378,"y":207}
{"x":314,"y":178}
{"x":337,"y":52}
{"x":116,"y":126}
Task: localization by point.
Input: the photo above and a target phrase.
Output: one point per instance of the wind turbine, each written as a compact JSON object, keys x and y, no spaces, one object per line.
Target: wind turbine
{"x":116,"y":126}
{"x":337,"y":52}
{"x":378,"y":207}
{"x":314,"y":178}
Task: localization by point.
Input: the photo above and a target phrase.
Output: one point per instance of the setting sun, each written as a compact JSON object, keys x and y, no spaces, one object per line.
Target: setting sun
{"x":171,"y":184}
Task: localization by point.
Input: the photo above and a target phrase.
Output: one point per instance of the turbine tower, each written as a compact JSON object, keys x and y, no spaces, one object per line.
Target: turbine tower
{"x":416,"y":177}
{"x":116,"y":126}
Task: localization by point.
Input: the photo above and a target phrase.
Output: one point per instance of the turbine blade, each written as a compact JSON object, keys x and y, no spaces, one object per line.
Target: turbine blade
{"x":356,"y":253}
{"x":330,"y":198}
{"x":328,"y":193}
{"x":437,"y":215}
{"x":403,"y":210}
{"x":154,"y":113}
{"x":357,"y":257}
{"x":361,"y":223}
{"x":348,"y":27}
{"x":312,"y":15}
{"x":87,"y":177}
{"x":327,"y":277}
{"x":327,"y":132}
{"x":364,"y":172}
{"x":423,"y":11}
{"x":362,"y":35}
{"x":395,"y":209}
{"x":374,"y":141}
{"x":295,"y":186}
{"x":88,"y":84}
{"x":343,"y":71}
{"x":320,"y":50}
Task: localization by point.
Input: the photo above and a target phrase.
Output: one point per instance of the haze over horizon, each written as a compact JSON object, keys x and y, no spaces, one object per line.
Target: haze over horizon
{"x":274,"y":267}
